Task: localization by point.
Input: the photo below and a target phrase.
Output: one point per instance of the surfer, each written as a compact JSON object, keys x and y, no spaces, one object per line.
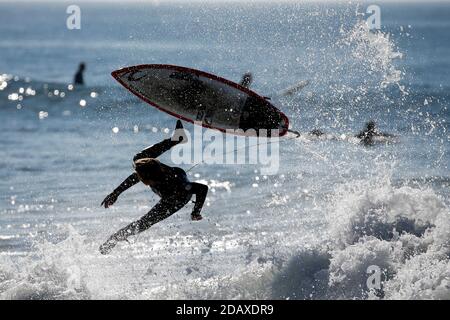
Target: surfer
{"x":170,"y":183}
{"x":370,"y":132}
{"x":246,"y":80}
{"x":316,"y":132}
{"x":78,"y":78}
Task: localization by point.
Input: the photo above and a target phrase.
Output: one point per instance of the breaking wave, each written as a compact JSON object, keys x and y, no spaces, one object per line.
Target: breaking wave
{"x":404,"y":231}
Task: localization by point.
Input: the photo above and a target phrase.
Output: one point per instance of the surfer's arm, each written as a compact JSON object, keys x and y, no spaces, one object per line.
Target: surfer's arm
{"x":126,"y":184}
{"x":200,"y":191}
{"x":386,"y":135}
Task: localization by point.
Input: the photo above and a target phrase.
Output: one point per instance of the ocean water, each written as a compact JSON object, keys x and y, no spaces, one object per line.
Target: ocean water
{"x":311,"y":231}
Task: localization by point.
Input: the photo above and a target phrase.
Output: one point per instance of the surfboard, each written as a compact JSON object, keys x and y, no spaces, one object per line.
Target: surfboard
{"x":200,"y":97}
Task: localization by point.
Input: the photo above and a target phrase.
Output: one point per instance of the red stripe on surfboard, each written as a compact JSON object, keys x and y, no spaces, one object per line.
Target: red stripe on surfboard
{"x":116,"y":75}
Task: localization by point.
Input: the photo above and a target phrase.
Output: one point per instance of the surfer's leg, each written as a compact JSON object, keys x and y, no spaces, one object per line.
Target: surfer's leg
{"x":155,"y":150}
{"x":162,"y":210}
{"x":159,"y":148}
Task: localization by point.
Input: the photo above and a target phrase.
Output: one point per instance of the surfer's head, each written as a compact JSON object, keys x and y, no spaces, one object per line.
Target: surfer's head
{"x":148,"y":170}
{"x":370,"y":126}
{"x":82,"y":66}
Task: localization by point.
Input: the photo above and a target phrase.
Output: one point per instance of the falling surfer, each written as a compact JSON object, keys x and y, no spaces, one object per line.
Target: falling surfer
{"x":170,"y":183}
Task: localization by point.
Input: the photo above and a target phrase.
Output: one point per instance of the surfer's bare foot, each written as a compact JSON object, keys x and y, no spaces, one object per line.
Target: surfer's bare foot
{"x":179,"y":133}
{"x":196,"y":217}
{"x":108,"y":246}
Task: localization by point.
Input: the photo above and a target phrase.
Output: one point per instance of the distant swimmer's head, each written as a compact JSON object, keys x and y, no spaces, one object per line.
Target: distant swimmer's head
{"x":370,"y":126}
{"x":148,"y":170}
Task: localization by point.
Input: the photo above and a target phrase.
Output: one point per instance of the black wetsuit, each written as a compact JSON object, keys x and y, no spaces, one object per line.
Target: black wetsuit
{"x":367,"y":136}
{"x":175,"y":191}
{"x":78,"y":79}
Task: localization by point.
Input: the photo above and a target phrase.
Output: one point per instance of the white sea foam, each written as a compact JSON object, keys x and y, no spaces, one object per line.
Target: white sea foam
{"x":402,"y":230}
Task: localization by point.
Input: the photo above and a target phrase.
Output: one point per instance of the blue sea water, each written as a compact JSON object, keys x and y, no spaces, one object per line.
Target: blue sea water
{"x":311,"y":231}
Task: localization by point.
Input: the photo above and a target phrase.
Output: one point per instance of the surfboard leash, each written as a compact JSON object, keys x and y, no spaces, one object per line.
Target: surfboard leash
{"x":297,"y":134}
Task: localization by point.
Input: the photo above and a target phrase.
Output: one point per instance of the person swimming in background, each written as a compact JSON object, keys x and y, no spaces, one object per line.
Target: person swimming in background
{"x":370,"y":132}
{"x":78,"y":78}
{"x":366,"y":136}
{"x":170,"y":183}
{"x":316,"y":132}
{"x":246,"y":80}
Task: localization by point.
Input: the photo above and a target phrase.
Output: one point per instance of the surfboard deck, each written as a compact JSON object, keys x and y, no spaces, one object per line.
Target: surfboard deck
{"x":197,"y":96}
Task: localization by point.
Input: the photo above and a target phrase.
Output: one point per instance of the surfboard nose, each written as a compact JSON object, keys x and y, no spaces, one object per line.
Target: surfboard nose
{"x":116,"y":74}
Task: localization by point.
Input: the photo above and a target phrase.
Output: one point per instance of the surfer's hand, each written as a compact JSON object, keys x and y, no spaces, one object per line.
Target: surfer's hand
{"x":109,"y":200}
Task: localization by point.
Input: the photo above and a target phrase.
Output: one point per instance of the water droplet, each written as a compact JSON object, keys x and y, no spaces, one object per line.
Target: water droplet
{"x":42,"y":115}
{"x":30,"y":92}
{"x":13,"y":96}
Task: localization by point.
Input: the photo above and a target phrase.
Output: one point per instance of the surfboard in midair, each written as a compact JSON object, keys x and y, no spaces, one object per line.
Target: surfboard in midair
{"x":204,"y":98}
